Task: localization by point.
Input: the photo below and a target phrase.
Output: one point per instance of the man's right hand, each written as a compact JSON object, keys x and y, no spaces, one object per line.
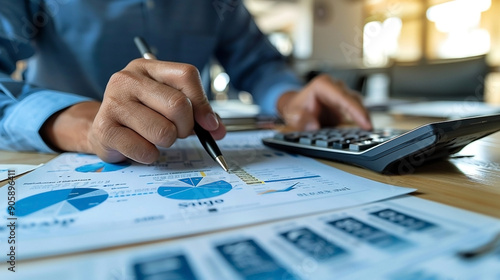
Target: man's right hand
{"x":147,"y":104}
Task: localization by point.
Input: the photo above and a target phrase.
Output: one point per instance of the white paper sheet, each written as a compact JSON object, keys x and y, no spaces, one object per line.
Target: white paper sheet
{"x":76,"y":202}
{"x":15,"y":170}
{"x":401,"y":238}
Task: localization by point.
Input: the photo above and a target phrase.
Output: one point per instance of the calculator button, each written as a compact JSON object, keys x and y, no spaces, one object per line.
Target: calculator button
{"x":341,"y":145}
{"x":361,"y":146}
{"x":292,"y":137}
{"x":328,"y":142}
{"x":309,"y":140}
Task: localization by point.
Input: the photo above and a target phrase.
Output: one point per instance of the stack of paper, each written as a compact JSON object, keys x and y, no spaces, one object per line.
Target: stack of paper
{"x":77,"y":203}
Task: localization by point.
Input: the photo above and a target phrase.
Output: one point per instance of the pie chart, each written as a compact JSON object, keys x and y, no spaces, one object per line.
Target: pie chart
{"x":194,"y":188}
{"x":61,"y":202}
{"x":102,"y":167}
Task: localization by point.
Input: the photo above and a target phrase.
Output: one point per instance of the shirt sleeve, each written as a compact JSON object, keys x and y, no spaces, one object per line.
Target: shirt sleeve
{"x":23,"y":108}
{"x":253,"y":64}
{"x":23,"y":117}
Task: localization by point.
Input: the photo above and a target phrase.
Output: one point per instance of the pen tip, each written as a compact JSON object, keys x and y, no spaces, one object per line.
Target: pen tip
{"x":222,"y":163}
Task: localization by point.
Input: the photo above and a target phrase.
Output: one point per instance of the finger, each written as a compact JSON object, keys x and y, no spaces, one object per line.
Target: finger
{"x":301,"y":119}
{"x":114,"y":142}
{"x":172,"y":106}
{"x":300,"y":110}
{"x":333,"y":95}
{"x":220,"y":132}
{"x":148,"y":123}
{"x":331,"y":118}
{"x":186,"y":79}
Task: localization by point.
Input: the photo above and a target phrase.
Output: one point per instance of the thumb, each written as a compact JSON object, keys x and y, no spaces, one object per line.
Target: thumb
{"x":206,"y":118}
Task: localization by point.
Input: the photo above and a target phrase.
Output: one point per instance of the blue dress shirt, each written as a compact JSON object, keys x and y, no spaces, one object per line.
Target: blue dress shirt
{"x":72,"y":48}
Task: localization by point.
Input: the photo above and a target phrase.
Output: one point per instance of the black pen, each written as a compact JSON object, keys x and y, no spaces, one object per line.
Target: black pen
{"x":206,"y":139}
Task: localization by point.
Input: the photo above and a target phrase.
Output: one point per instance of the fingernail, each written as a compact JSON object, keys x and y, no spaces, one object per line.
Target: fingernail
{"x":311,"y":126}
{"x":212,"y":121}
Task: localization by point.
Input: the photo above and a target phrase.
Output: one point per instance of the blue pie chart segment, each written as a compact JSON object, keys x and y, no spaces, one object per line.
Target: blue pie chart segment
{"x":102,"y":167}
{"x":193,"y":188}
{"x":71,"y":200}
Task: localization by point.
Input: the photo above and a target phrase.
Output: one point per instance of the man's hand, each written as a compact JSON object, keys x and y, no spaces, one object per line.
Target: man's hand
{"x":147,"y":104}
{"x":323,"y":102}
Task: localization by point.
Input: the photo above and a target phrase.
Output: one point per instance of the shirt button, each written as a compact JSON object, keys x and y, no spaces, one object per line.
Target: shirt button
{"x":150,"y":4}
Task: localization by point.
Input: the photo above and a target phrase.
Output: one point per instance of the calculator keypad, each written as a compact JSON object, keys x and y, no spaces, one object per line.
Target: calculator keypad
{"x":352,"y":139}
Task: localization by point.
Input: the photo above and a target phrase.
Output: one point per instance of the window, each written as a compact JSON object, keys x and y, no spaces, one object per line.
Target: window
{"x":413,"y":30}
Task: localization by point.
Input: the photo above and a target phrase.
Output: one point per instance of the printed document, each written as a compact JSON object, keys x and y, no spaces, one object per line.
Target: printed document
{"x":400,"y":238}
{"x":76,"y":202}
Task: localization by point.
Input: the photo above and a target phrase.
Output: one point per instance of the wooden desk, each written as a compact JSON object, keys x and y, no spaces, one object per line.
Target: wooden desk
{"x":469,"y":180}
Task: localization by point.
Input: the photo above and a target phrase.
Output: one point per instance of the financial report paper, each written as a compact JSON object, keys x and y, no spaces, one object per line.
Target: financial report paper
{"x":76,"y":202}
{"x":401,"y":238}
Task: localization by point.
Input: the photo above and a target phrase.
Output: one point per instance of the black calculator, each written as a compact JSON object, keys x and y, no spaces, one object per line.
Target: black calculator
{"x":387,"y":151}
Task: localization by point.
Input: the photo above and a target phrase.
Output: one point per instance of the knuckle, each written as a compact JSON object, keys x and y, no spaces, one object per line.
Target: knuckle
{"x":323,"y":78}
{"x":140,"y":151}
{"x":118,"y":77}
{"x":105,"y":137}
{"x":180,"y":105}
{"x":99,"y":126}
{"x":189,"y":72}
{"x":165,"y":136}
{"x":189,"y":76}
{"x":107,"y":134}
{"x":136,"y":63}
{"x":120,"y":89}
{"x":123,"y":78}
{"x":328,"y":84}
{"x":145,"y":155}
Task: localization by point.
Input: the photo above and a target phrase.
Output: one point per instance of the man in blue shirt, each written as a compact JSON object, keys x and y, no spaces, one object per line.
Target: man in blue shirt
{"x":84,"y":90}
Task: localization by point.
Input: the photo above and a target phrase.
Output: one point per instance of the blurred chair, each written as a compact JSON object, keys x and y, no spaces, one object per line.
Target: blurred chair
{"x":457,"y":79}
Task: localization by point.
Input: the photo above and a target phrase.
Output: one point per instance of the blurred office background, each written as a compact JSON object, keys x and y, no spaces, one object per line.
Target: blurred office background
{"x":385,"y":49}
{"x":430,"y":49}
